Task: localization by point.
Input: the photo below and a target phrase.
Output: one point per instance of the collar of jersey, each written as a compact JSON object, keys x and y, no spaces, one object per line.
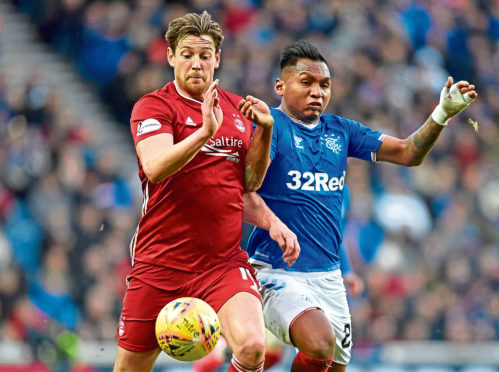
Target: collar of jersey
{"x":310,"y":126}
{"x":181,"y":95}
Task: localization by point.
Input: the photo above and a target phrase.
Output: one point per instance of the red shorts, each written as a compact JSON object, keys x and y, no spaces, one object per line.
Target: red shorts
{"x":143,"y":302}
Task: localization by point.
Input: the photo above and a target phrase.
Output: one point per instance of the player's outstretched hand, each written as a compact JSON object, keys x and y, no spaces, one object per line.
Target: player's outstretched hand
{"x":211,"y":110}
{"x":257,"y":111}
{"x":354,"y":284}
{"x":287,"y":240}
{"x":454,"y":98}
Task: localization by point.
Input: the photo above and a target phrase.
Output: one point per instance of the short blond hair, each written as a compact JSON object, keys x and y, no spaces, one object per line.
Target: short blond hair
{"x":193,"y":24}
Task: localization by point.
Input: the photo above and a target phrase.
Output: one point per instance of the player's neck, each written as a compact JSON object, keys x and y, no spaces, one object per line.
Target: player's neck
{"x":187,"y":95}
{"x":309,"y":124}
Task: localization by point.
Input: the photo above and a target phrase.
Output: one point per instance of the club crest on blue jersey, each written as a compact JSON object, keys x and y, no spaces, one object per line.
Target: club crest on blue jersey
{"x":332,"y":143}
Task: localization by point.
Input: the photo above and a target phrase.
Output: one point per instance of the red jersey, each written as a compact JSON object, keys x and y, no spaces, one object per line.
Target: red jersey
{"x":191,"y":221}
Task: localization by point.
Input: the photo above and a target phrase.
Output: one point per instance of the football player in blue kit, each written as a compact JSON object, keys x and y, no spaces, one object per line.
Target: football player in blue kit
{"x":305,"y":305}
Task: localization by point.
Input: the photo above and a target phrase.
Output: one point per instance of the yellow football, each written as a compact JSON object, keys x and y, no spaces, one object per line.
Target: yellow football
{"x":187,"y":329}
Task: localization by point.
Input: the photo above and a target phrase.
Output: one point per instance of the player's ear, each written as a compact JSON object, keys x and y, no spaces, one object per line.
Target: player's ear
{"x":171,"y":57}
{"x":217,"y":58}
{"x":279,"y":87}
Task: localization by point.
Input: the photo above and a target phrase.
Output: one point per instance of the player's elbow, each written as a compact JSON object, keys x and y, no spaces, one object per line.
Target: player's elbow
{"x":409,"y":162}
{"x":254,"y":175}
{"x":152,"y":174}
{"x":413,"y":161}
{"x":154,"y":179}
{"x":407,"y":157}
{"x":403,"y":159}
{"x":252,"y":180}
{"x":252,"y":186}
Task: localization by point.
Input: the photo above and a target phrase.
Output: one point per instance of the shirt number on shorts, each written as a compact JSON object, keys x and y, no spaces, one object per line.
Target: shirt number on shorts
{"x":347,"y":340}
{"x":246,"y":275}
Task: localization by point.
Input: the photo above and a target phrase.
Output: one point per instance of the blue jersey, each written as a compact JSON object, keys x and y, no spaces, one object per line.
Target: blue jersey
{"x":304,"y":187}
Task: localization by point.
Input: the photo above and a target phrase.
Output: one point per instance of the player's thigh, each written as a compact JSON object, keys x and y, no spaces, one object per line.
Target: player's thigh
{"x":241,"y":321}
{"x":141,"y":306}
{"x":311,"y":333}
{"x":235,"y":296}
{"x":221,"y":285}
{"x":284,"y":299}
{"x":135,"y":361}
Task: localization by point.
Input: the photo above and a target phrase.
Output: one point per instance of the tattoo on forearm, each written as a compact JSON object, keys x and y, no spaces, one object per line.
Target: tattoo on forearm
{"x":422,"y":141}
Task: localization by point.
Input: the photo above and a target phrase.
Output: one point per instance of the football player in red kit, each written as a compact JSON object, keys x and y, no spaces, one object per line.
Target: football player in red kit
{"x":197,"y":154}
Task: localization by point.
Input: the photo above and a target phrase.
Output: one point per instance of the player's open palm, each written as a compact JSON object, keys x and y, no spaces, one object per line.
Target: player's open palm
{"x":211,"y":110}
{"x":287,"y":240}
{"x":257,"y":111}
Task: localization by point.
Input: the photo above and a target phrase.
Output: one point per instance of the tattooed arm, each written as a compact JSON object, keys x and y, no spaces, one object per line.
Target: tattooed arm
{"x":454,"y":98}
{"x":412,"y":150}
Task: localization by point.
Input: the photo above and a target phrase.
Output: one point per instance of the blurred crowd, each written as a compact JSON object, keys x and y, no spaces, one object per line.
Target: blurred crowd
{"x":425,"y":239}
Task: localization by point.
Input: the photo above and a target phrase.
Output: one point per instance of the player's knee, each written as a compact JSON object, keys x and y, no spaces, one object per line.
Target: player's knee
{"x":251,"y":350}
{"x":321,"y":347}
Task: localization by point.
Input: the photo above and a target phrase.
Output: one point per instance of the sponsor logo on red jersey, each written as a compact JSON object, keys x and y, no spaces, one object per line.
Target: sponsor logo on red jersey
{"x":147,"y":126}
{"x":217,"y":147}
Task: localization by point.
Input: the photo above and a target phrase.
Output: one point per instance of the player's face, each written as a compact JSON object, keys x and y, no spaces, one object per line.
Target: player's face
{"x":194,"y":63}
{"x":305,"y":89}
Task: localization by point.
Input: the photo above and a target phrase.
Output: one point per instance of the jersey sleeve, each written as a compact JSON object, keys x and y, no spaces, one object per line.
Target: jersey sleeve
{"x":150,"y":116}
{"x":364,"y":142}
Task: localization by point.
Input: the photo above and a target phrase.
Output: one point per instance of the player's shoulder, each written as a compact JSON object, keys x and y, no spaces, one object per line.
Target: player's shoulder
{"x":157,"y":100}
{"x":280,"y":118}
{"x":339,"y":121}
{"x":274,"y":111}
{"x":333,"y":118}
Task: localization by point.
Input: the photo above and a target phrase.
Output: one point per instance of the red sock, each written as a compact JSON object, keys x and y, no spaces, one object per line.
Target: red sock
{"x":304,"y":363}
{"x":237,"y":366}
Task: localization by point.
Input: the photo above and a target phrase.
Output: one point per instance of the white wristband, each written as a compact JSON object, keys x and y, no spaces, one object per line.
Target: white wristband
{"x":439,"y":116}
